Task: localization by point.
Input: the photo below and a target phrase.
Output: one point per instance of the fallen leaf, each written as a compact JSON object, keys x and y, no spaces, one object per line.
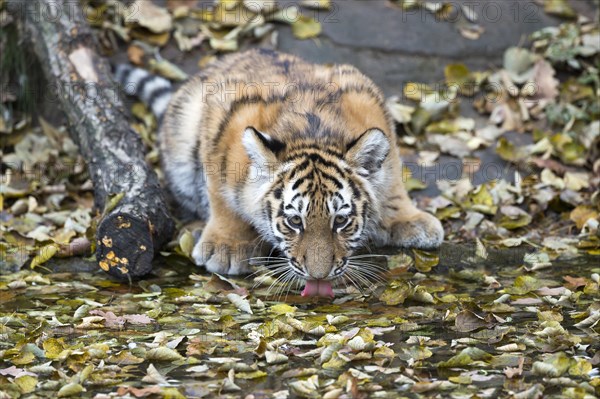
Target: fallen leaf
{"x":581,"y":214}
{"x":241,"y":303}
{"x":467,"y":321}
{"x":45,"y":254}
{"x":559,"y":8}
{"x":150,"y":16}
{"x":163,"y":354}
{"x":153,"y":376}
{"x":135,"y":54}
{"x":511,"y":372}
{"x":70,"y":389}
{"x":575,"y":282}
{"x":306,"y":28}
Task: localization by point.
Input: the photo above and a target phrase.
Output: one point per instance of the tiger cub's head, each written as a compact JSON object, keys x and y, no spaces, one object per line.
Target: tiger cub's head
{"x":319,"y":205}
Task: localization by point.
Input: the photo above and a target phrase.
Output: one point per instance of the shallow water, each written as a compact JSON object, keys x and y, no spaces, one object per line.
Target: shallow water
{"x":202,"y":324}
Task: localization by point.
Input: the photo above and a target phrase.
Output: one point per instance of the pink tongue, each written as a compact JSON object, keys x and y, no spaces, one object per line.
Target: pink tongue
{"x":318,"y":288}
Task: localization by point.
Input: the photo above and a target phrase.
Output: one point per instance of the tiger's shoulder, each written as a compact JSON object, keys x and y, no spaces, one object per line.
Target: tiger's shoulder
{"x":288,"y":97}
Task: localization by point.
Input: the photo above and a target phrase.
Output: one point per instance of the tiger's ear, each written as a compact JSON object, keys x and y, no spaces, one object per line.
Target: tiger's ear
{"x":368,"y":151}
{"x":261,"y":148}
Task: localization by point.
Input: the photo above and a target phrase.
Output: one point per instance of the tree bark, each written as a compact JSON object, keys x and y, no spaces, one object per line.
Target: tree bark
{"x":135,"y":221}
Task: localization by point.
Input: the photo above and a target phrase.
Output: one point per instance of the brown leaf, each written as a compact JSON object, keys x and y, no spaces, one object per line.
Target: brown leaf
{"x":468,"y":321}
{"x":110,"y":319}
{"x":575,"y":282}
{"x":551,"y":164}
{"x":114,"y":321}
{"x":527,"y":301}
{"x":138,"y":392}
{"x":135,"y":54}
{"x":220,"y":284}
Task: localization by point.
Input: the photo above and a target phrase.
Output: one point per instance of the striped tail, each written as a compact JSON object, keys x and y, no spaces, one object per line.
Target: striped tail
{"x":153,"y":90}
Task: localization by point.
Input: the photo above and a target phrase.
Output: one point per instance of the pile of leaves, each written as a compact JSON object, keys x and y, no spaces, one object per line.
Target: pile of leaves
{"x":545,"y":192}
{"x":228,"y":25}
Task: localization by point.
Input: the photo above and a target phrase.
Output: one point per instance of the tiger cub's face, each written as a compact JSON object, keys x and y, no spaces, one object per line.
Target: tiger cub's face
{"x":318,"y":208}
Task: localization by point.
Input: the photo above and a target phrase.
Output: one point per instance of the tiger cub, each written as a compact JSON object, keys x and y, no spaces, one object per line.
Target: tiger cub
{"x":269,"y":148}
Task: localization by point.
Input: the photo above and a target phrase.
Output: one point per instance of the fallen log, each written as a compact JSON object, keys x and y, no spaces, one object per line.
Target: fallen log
{"x":135,"y":221}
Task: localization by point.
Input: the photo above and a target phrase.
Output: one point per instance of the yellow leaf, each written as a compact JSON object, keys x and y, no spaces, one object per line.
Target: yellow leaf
{"x":316,"y":4}
{"x":456,"y":74}
{"x":45,"y":253}
{"x":171,"y":393}
{"x":282,"y":308}
{"x":163,"y":353}
{"x":553,"y":366}
{"x":483,"y":201}
{"x":508,"y":151}
{"x":251,"y":375}
{"x":523,"y":285}
{"x":424,"y":260}
{"x":70,"y":389}
{"x":396,"y":293}
{"x":582,"y":214}
{"x":580,"y":368}
{"x":53,"y":347}
{"x":560,"y":8}
{"x":167,"y":70}
{"x":416,"y":91}
{"x":305,"y":27}
{"x":26,"y":383}
{"x":186,"y":243}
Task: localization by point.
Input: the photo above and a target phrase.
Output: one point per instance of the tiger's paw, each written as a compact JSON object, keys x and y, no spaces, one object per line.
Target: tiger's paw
{"x":423,"y":232}
{"x":223,"y":256}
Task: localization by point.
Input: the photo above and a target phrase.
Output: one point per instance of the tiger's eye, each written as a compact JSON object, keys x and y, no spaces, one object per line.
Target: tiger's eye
{"x":340,"y":220}
{"x":295,"y":221}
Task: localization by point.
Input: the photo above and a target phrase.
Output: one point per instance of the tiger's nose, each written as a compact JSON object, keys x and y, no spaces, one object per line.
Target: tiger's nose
{"x":319,"y":265}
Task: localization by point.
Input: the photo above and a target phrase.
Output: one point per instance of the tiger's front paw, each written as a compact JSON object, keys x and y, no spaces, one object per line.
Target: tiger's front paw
{"x":423,"y":231}
{"x":223,"y":256}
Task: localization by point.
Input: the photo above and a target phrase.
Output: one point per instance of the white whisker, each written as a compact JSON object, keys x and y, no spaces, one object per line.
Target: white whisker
{"x":348,"y":275}
{"x":268,"y":269}
{"x":368,"y":256}
{"x":374,"y":274}
{"x":370,"y":266}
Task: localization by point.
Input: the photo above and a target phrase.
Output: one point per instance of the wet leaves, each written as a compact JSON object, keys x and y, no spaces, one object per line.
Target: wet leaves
{"x":370,"y":340}
{"x":425,"y":261}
